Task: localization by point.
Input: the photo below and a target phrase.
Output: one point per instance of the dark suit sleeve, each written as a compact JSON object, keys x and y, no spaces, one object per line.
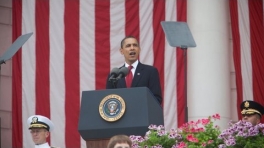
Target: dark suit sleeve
{"x":154,"y":84}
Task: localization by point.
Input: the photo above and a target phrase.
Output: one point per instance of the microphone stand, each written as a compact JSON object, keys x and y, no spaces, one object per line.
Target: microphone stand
{"x":114,"y":82}
{"x":179,"y":35}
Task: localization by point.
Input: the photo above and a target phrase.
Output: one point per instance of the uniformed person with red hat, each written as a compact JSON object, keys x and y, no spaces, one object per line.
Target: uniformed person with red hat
{"x":40,"y":127}
{"x":251,"y":111}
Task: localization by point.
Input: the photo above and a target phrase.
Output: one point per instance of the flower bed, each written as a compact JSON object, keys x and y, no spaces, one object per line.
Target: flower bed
{"x":202,"y":134}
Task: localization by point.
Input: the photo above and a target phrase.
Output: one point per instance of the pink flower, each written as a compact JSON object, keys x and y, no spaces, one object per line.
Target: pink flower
{"x":198,"y":121}
{"x":160,"y":127}
{"x":152,"y":127}
{"x":191,"y":138}
{"x":201,"y":129}
{"x":210,"y":141}
{"x":192,"y":123}
{"x":216,"y":116}
{"x":203,"y":144}
{"x":185,"y":125}
{"x":181,"y":145}
{"x":193,"y":130}
{"x":205,"y":121}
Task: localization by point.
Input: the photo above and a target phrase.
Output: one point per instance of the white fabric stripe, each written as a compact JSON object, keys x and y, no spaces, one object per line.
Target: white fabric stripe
{"x":87,"y":45}
{"x":87,"y":48}
{"x":28,"y":69}
{"x":245,"y":45}
{"x":170,"y":94}
{"x":57,"y":83}
{"x":146,"y":32}
{"x":117,"y":32}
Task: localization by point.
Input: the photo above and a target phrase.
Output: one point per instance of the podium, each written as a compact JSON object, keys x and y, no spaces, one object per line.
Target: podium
{"x":139,"y":108}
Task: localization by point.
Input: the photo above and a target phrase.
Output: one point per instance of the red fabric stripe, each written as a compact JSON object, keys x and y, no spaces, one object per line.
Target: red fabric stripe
{"x":17,"y":132}
{"x":257,"y":52}
{"x":181,"y":16}
{"x":102,"y":42}
{"x":42,"y":58}
{"x":132,"y":18}
{"x":236,"y":52}
{"x":159,"y":39}
{"x":72,"y":75}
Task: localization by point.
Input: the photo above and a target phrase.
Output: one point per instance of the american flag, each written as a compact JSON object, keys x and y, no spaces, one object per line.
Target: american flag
{"x":75,"y":44}
{"x":247,"y":23}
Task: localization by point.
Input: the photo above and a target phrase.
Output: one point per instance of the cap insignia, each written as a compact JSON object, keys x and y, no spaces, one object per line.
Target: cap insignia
{"x":246,"y":104}
{"x":34,"y":120}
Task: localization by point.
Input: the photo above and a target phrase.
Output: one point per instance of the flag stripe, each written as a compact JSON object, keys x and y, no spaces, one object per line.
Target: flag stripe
{"x":102,"y":43}
{"x":28,"y":68}
{"x":170,"y":91}
{"x":257,"y":44}
{"x":17,"y":119}
{"x":246,"y":64}
{"x":132,"y":18}
{"x":146,"y":32}
{"x":72,"y":78}
{"x":182,"y":17}
{"x":159,"y":39}
{"x":87,"y":48}
{"x":57,"y":77}
{"x":42,"y":56}
{"x":87,"y":45}
{"x":236,"y":51}
{"x":117,"y":32}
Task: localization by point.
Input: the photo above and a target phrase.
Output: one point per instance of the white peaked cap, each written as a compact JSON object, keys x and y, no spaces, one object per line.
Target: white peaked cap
{"x":38,"y":121}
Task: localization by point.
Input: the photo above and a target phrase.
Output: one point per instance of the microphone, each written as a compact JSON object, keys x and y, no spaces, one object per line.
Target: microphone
{"x":113,"y":74}
{"x":122,"y":73}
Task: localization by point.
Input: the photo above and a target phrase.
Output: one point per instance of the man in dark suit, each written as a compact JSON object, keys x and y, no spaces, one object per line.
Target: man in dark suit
{"x":142,"y":75}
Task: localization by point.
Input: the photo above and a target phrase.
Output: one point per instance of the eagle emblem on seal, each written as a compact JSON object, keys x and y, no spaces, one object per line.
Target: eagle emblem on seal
{"x":112,"y":107}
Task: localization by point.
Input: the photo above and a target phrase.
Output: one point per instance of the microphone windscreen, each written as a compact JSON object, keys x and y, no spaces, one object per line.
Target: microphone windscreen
{"x":123,"y":71}
{"x":114,"y":71}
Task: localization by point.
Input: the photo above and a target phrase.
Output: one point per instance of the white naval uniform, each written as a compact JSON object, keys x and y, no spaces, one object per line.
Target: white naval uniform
{"x":44,"y":145}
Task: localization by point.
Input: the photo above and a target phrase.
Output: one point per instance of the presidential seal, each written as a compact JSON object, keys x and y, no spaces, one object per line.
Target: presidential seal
{"x":112,"y":108}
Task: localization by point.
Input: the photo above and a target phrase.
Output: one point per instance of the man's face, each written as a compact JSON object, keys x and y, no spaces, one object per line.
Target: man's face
{"x":254,"y":119}
{"x":130,"y":50}
{"x":121,"y":145}
{"x":39,"y":135}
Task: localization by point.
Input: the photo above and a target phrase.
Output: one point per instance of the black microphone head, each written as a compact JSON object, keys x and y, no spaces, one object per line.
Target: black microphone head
{"x":114,"y":71}
{"x":113,"y":74}
{"x":123,"y":71}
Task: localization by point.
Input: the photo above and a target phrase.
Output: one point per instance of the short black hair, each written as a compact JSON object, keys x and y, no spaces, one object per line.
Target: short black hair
{"x":130,"y":36}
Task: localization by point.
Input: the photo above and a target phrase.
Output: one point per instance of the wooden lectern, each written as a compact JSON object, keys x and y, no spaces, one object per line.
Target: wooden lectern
{"x":141,"y":110}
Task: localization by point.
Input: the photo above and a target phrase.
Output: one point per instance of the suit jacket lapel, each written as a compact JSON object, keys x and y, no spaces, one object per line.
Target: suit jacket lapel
{"x":137,"y":75}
